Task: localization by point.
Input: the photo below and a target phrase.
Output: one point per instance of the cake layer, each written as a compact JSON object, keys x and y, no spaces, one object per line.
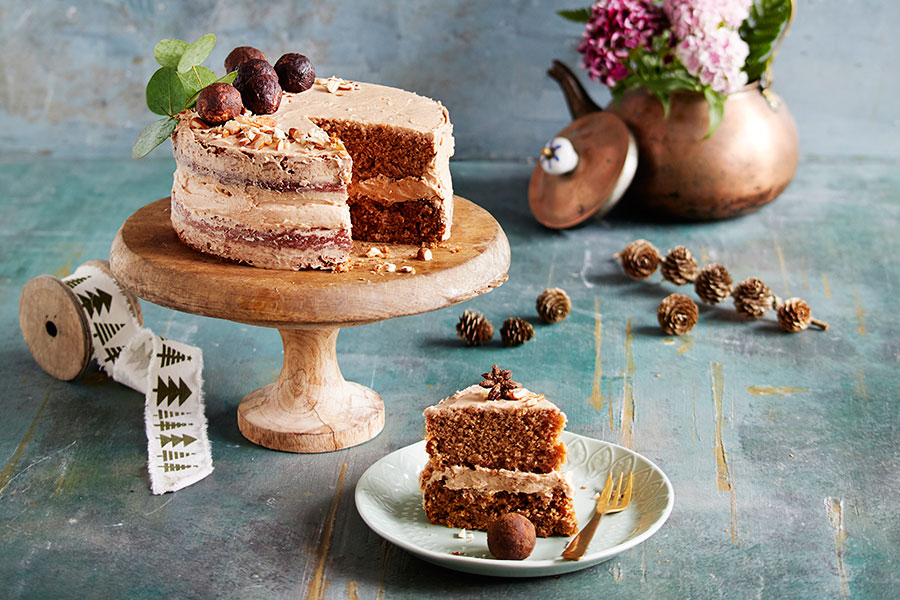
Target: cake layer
{"x":418,"y":221}
{"x":272,"y":247}
{"x":469,"y":430}
{"x":546,"y":500}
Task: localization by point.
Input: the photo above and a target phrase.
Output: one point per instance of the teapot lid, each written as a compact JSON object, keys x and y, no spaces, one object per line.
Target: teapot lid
{"x":583,"y":171}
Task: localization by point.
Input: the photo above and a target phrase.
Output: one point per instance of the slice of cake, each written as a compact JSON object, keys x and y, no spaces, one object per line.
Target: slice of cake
{"x":494,"y":448}
{"x":289,"y":190}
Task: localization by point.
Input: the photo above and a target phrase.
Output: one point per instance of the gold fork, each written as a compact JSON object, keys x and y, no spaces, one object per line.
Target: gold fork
{"x":607,"y":502}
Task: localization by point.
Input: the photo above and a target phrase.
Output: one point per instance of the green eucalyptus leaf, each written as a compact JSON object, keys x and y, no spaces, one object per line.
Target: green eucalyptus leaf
{"x":761,"y":31}
{"x":169,"y":52}
{"x":165,"y":92}
{"x":152,"y":136}
{"x":716,"y":103}
{"x":196,"y":78}
{"x":196,"y":53}
{"x":228,"y":78}
{"x":578,"y":15}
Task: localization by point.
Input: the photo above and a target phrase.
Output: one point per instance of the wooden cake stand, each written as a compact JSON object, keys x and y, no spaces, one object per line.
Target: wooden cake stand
{"x":310,"y":407}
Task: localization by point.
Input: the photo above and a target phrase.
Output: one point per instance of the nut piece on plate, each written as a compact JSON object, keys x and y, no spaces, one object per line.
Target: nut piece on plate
{"x":511,"y":537}
{"x":241,"y":54}
{"x":295,"y":72}
{"x":218,"y":103}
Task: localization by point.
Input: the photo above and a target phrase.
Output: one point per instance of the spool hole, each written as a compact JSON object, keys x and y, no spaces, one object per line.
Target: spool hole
{"x":51,"y":328}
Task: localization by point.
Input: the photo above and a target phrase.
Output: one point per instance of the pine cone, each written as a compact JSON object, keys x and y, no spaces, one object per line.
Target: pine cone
{"x":677,"y":314}
{"x":516,"y":331}
{"x":679,"y":267}
{"x":752,"y":298}
{"x":639,"y":259}
{"x":553,"y":305}
{"x":473,"y":328}
{"x":794,"y":315}
{"x":713,"y":284}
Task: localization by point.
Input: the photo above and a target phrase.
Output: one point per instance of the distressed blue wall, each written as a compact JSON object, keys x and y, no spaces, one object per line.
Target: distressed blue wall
{"x":73,"y":74}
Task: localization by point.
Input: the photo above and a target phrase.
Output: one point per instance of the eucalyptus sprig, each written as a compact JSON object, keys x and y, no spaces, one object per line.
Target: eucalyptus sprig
{"x":175,"y":86}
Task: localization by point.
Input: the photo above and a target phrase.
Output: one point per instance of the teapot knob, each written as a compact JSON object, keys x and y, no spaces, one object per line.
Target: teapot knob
{"x":558,"y":157}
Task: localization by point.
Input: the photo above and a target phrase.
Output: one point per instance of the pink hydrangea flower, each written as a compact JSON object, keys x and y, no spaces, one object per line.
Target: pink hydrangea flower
{"x":615,"y":28}
{"x":700,"y":17}
{"x":716,"y":58}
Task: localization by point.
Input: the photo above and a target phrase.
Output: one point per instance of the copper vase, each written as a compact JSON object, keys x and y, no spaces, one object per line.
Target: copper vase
{"x":682,"y":173}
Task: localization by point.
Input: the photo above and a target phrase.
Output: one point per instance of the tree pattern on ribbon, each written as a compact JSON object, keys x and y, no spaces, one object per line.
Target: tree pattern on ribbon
{"x":112,"y":353}
{"x":73,"y":283}
{"x":105,"y":331}
{"x":184,"y":438}
{"x":170,"y":356}
{"x":95,"y":301}
{"x":170,"y":391}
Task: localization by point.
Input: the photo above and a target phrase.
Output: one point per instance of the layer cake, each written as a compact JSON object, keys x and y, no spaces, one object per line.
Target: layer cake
{"x":291,"y":190}
{"x":491,"y":457}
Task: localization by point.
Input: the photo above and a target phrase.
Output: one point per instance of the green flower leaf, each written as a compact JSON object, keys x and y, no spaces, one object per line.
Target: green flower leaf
{"x":165,"y":92}
{"x":152,"y":136}
{"x":578,"y":15}
{"x":228,"y":78}
{"x":196,"y":53}
{"x":169,"y":52}
{"x":716,"y":103}
{"x":761,"y":31}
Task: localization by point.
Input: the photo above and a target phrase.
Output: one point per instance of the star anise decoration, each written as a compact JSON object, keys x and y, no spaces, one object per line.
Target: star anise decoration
{"x":500,"y":384}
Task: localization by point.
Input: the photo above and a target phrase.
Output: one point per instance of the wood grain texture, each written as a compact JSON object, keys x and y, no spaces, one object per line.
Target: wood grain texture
{"x":148,"y":258}
{"x":311,"y":408}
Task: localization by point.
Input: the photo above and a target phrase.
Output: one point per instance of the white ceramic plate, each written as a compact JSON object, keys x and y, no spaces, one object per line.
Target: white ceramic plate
{"x":389,"y":501}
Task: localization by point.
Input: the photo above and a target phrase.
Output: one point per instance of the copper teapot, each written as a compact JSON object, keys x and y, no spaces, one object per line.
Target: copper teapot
{"x":682,"y":173}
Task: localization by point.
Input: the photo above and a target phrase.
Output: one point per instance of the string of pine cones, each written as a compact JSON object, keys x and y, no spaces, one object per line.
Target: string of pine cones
{"x":677,"y":313}
{"x":552,"y":305}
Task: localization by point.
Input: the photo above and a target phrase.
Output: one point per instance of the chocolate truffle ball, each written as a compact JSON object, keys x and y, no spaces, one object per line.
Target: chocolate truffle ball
{"x":250,"y":69}
{"x":262,"y":94}
{"x":511,"y":537}
{"x":241,"y":54}
{"x":295,"y":72}
{"x":218,"y":103}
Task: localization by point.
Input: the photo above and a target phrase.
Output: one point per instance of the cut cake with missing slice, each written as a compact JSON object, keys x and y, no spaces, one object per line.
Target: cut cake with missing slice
{"x":491,"y":457}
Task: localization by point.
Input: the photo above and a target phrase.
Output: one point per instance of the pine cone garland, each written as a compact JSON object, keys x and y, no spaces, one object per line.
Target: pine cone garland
{"x":752,"y":298}
{"x":473,"y":328}
{"x":553,"y":305}
{"x":516,"y":331}
{"x":639,"y":259}
{"x":713,"y":284}
{"x":680,"y":267}
{"x":794,"y":315}
{"x":677,"y":314}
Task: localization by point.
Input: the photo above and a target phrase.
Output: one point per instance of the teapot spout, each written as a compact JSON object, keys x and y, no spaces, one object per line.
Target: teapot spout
{"x":577,"y":98}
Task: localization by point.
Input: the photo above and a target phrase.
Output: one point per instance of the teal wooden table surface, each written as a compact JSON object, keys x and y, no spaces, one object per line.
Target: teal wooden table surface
{"x":782,"y":448}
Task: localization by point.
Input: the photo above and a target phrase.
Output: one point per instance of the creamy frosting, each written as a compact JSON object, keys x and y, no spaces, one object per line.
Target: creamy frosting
{"x":475,"y":397}
{"x":479,"y":479}
{"x":259,"y":208}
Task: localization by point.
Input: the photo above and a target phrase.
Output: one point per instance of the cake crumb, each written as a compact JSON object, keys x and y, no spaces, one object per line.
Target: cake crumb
{"x":373,"y":252}
{"x":407,"y":269}
{"x":424,"y":253}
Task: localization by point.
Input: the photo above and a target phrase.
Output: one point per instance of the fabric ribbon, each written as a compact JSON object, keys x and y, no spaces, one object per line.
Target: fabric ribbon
{"x":168,"y":373}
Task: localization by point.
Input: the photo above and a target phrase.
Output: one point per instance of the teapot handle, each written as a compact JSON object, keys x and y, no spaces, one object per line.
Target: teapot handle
{"x":577,"y":98}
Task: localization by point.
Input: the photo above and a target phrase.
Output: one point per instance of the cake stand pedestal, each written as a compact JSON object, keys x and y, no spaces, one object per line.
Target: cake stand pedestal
{"x":310,"y":407}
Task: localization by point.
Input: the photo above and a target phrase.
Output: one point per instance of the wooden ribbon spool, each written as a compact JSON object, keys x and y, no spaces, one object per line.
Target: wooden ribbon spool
{"x":55,"y":326}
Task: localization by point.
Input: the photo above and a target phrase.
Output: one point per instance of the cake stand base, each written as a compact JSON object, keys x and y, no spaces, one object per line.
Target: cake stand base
{"x":311,"y":408}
